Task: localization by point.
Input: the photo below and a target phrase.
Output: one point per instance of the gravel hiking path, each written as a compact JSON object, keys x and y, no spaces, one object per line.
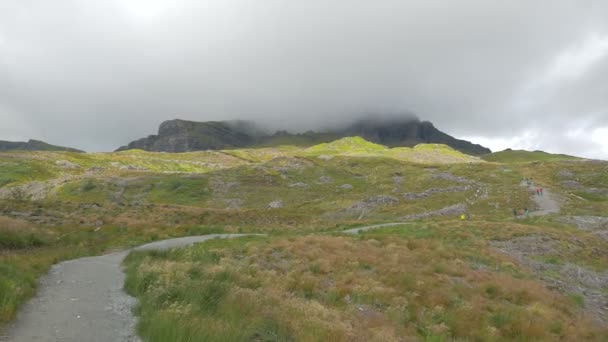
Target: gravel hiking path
{"x":546,"y":203}
{"x":82,"y":300}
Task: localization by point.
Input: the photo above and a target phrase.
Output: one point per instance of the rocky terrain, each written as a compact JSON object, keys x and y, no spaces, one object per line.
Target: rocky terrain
{"x":183,"y":136}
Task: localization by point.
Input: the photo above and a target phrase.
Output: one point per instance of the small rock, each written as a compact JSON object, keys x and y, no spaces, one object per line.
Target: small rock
{"x":233,"y":203}
{"x":276,"y":204}
{"x":325,"y":180}
{"x":66,"y":164}
{"x":346,"y":187}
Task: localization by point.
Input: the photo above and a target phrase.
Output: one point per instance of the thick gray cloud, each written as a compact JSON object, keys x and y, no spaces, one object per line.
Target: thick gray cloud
{"x":97,"y":74}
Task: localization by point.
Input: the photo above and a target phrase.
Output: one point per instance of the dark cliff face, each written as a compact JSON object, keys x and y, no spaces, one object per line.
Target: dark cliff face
{"x":33,"y":145}
{"x":410,"y":132}
{"x":183,"y":136}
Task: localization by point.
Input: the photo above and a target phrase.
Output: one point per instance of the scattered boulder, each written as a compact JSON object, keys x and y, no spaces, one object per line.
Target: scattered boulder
{"x":298,"y":185}
{"x":276,"y":204}
{"x":371,"y":203}
{"x":571,"y":184}
{"x":285,"y":164}
{"x":325,"y":180}
{"x":451,"y":177}
{"x":575,"y":185}
{"x":526,"y":246}
{"x":382,"y":199}
{"x":597,"y":191}
{"x":596,"y":224}
{"x":429,"y":192}
{"x":346,"y":187}
{"x":453,"y":210}
{"x":567,"y":278}
{"x":66,"y":164}
{"x":219,"y":186}
{"x":133,"y":168}
{"x":234,"y":203}
{"x":565,"y":174}
{"x":95,"y":169}
{"x":128,"y":167}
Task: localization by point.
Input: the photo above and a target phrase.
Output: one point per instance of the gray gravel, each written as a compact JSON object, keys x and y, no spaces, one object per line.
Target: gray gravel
{"x":83,"y":300}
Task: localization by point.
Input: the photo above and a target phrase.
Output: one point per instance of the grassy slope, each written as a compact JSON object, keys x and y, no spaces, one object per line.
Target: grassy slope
{"x":520,"y":156}
{"x":428,"y":281}
{"x":121,"y":199}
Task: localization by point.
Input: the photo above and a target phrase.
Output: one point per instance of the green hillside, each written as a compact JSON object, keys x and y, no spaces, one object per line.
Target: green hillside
{"x":433,"y":276}
{"x":521,"y":156}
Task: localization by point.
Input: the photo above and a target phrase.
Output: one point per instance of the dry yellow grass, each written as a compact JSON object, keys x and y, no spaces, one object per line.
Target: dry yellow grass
{"x":374,"y":288}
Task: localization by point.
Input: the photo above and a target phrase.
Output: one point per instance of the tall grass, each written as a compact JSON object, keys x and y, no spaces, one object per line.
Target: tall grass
{"x":418,"y":282}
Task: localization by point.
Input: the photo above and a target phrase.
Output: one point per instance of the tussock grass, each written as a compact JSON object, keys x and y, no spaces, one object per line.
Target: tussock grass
{"x":429,"y":282}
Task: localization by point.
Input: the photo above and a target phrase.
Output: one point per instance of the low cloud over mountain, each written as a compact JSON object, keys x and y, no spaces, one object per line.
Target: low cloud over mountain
{"x":503,"y":74}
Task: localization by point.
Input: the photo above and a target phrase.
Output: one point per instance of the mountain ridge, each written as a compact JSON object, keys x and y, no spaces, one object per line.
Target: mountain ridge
{"x":33,"y":145}
{"x":184,"y":136}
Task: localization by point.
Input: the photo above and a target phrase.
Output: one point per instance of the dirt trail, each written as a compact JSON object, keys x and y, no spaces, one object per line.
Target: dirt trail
{"x":83,"y":299}
{"x":546,"y":202}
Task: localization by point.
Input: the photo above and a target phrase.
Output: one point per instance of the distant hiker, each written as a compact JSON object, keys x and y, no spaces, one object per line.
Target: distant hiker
{"x":541,"y":191}
{"x":514,"y":212}
{"x":526,"y":211}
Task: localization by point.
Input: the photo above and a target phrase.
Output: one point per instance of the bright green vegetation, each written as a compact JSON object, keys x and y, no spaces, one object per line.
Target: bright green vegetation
{"x":423,"y":153}
{"x":14,"y":170}
{"x":354,"y":145}
{"x":437,"y":279}
{"x":520,"y":156}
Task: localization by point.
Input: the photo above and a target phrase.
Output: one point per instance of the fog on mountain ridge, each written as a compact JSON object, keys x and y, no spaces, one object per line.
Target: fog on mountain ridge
{"x":95,"y":75}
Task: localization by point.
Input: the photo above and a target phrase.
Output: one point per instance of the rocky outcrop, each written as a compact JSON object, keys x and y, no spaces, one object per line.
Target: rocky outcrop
{"x":453,"y":210}
{"x":409,"y":132}
{"x":183,"y":136}
{"x":32,"y":145}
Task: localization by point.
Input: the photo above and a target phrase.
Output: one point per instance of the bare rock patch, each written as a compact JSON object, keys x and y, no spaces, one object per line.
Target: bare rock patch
{"x":411,"y":196}
{"x":567,"y":277}
{"x":452,"y":210}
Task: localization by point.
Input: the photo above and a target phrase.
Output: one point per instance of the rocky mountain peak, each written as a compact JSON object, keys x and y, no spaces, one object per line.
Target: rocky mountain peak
{"x":183,"y":136}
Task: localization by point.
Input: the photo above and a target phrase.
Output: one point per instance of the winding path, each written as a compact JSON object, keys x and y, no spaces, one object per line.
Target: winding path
{"x":83,"y":300}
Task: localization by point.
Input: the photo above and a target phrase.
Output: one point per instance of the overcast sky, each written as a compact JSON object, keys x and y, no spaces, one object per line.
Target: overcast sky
{"x":97,"y":74}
